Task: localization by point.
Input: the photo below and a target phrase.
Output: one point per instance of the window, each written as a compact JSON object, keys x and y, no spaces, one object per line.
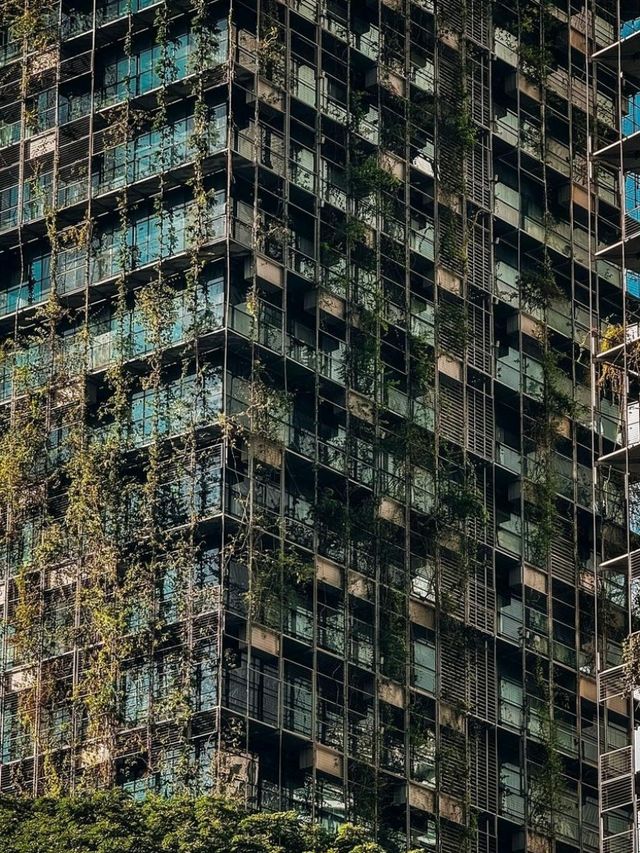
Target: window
{"x":9,"y":207}
{"x":149,"y":68}
{"x":135,"y":695}
{"x":424,"y":660}
{"x":511,"y":797}
{"x":297,"y":701}
{"x":206,"y":681}
{"x":304,"y":82}
{"x":511,"y":703}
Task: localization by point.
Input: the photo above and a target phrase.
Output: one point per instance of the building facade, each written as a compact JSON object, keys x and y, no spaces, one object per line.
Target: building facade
{"x":309,"y":319}
{"x":615,"y":154}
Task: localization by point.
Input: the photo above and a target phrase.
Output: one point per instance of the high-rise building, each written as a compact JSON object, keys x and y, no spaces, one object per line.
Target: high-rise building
{"x":314,"y":321}
{"x":616,"y":160}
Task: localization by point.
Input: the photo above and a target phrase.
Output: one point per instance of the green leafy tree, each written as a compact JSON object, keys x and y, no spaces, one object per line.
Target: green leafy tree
{"x":112,"y":822}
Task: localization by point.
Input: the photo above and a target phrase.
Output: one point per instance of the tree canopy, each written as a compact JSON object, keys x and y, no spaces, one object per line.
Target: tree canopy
{"x":112,"y":822}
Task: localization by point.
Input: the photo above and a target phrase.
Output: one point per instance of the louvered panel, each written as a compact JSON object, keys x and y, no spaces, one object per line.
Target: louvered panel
{"x":618,"y":763}
{"x":479,"y":252}
{"x":9,"y":177}
{"x":451,"y":583}
{"x":58,"y":668}
{"x":205,"y":723}
{"x":206,"y":627}
{"x":57,"y":766}
{"x":451,"y":318}
{"x":617,"y":793}
{"x":482,"y":603}
{"x":478,"y":86}
{"x":482,"y":683}
{"x":453,"y":666}
{"x":480,"y":434}
{"x":451,"y":411}
{"x":75,"y":66}
{"x":611,"y":683}
{"x":450,"y":14}
{"x":489,"y":509}
{"x":481,"y":528}
{"x":479,"y":347}
{"x":453,"y":763}
{"x":492,"y":772}
{"x":477,"y":770}
{"x":621,"y":843}
{"x":477,"y":173}
{"x":17,"y":777}
{"x":447,"y":148}
{"x":167,"y":737}
{"x":634,"y":563}
{"x":477,"y":22}
{"x":452,"y":837}
{"x":448,"y":70}
{"x":451,"y":253}
{"x":483,"y":769}
{"x":563,"y":564}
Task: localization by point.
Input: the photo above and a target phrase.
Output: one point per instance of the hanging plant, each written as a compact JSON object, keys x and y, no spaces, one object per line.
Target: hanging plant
{"x":631,"y":663}
{"x":612,"y":374}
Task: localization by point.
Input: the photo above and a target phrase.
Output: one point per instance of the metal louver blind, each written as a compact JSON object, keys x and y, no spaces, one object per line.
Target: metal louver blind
{"x":480,"y":433}
{"x":451,"y":583}
{"x":453,"y":664}
{"x":482,"y":683}
{"x":483,"y":769}
{"x":478,"y":171}
{"x":479,"y":256}
{"x":480,"y":338}
{"x":451,"y":413}
{"x":478,"y":86}
{"x":477,"y":22}
{"x":482,"y":602}
{"x":563,"y":564}
{"x":452,"y":838}
{"x":450,"y":13}
{"x":453,"y":776}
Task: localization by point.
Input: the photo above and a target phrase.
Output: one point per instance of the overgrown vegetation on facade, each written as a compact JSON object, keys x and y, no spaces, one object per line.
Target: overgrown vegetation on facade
{"x":266,"y":439}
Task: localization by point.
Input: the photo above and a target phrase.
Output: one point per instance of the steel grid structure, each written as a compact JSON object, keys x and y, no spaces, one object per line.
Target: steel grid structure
{"x":299,"y":413}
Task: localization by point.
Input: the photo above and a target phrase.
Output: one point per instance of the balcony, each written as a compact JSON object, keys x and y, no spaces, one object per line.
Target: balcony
{"x":150,"y":154}
{"x":627,"y":457}
{"x":624,"y":56}
{"x":625,"y":151}
{"x":626,"y":252}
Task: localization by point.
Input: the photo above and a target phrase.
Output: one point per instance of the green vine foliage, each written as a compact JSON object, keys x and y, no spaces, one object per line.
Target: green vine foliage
{"x":538,"y":287}
{"x":30,"y":21}
{"x":366,"y":176}
{"x":631,"y":663}
{"x":538,"y":28}
{"x":110,"y":821}
{"x":452,"y":326}
{"x":275,"y":583}
{"x":539,"y":290}
{"x":85,"y":504}
{"x":546,"y":782}
{"x":393,"y":633}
